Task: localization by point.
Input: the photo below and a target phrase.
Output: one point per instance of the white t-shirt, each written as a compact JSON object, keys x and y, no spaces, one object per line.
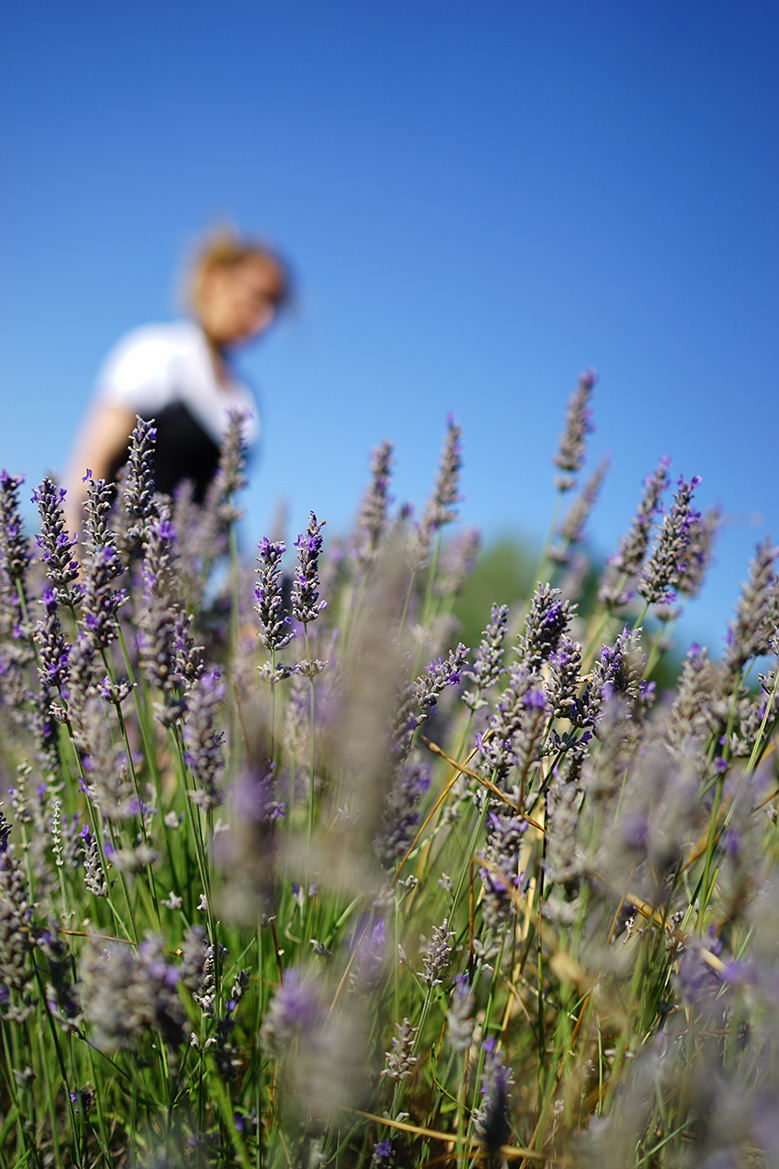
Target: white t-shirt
{"x":156,"y":365}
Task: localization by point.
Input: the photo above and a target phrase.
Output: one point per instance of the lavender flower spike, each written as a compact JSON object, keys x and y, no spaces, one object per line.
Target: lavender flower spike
{"x":372,"y":520}
{"x":440,"y":508}
{"x":229,"y":478}
{"x":633,"y":546}
{"x":570,"y":453}
{"x":294,"y":1008}
{"x":459,"y":1023}
{"x":136,"y":486}
{"x":571,"y":529}
{"x":749,"y":632}
{"x":545,"y":624}
{"x":492,"y":1118}
{"x":666,"y":565}
{"x":400,"y":1061}
{"x":14,"y":552}
{"x":53,"y":540}
{"x":274,"y":625}
{"x":488,"y":665}
{"x":306,"y":605}
{"x":437,"y":954}
{"x":202,"y":742}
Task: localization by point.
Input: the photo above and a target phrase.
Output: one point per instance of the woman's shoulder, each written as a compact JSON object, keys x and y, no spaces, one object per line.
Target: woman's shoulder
{"x":150,"y":342}
{"x":144,"y":355}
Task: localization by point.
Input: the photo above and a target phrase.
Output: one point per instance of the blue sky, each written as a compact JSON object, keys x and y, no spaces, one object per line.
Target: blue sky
{"x":478,"y":200}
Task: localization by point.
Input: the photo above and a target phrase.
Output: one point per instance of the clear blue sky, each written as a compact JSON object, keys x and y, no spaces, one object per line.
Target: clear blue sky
{"x":479,"y":200}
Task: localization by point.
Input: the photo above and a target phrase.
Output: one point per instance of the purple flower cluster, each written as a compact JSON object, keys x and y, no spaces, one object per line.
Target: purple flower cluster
{"x":203,"y":742}
{"x":459,"y":1020}
{"x":136,"y":497}
{"x":53,"y":540}
{"x":545,"y":623}
{"x":400,"y":1060}
{"x":440,"y":508}
{"x":751,"y":630}
{"x":294,"y":1008}
{"x":571,"y":529}
{"x":268,"y":600}
{"x":15,"y":556}
{"x":130,"y":993}
{"x":488,"y":662}
{"x":491,"y":1119}
{"x":400,"y":814}
{"x":372,"y":519}
{"x":500,"y":873}
{"x":306,"y":605}
{"x":626,"y":563}
{"x":578,"y":423}
{"x":437,"y":955}
{"x":229,"y":478}
{"x":665,"y":567}
{"x":516,"y":725}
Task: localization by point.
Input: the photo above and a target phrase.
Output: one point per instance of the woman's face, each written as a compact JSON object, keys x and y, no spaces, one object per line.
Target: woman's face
{"x":238,"y":303}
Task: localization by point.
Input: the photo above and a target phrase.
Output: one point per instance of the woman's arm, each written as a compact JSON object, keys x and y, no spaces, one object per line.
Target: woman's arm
{"x":104,"y":435}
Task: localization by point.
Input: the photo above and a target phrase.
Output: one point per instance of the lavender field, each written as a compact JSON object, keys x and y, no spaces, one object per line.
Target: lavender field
{"x":291,"y":877}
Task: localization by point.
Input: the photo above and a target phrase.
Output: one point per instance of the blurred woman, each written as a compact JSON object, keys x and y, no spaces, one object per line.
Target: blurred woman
{"x":179,"y":373}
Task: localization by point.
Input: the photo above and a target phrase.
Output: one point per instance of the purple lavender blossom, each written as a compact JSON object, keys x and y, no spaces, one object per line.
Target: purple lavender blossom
{"x":53,"y":650}
{"x":749,"y":632}
{"x":400,"y":815}
{"x":268,"y":602}
{"x":53,"y":540}
{"x":94,"y":875}
{"x":500,"y":874}
{"x":128,"y":993}
{"x":419,"y":699}
{"x":306,"y":605}
{"x":618,"y":672}
{"x":488,"y":663}
{"x":372,"y":520}
{"x":437,"y":955}
{"x":14,"y":548}
{"x":440,"y":673}
{"x":666,"y":564}
{"x":202,"y":742}
{"x":400,"y":1060}
{"x":99,"y":602}
{"x":545,"y":624}
{"x":136,"y":499}
{"x":564,"y":679}
{"x":294,"y":1008}
{"x":15,"y":557}
{"x":16,"y":972}
{"x":626,"y":563}
{"x":96,"y":509}
{"x":370,"y":957}
{"x":491,"y":1119}
{"x":457,"y":562}
{"x":571,"y":528}
{"x":381,"y":1154}
{"x":516,"y":725}
{"x":441,"y":507}
{"x":157,"y":619}
{"x":571,"y":451}
{"x":229,"y":478}
{"x":701,"y":534}
{"x":459,"y":1021}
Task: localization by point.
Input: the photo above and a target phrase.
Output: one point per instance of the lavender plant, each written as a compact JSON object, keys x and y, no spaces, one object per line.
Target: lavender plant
{"x":384,"y":901}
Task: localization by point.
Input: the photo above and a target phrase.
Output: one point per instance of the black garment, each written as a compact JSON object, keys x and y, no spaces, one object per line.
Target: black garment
{"x":183,"y":450}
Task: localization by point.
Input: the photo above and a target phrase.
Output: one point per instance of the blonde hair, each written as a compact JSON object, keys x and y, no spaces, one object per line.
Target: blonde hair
{"x":225,"y":248}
